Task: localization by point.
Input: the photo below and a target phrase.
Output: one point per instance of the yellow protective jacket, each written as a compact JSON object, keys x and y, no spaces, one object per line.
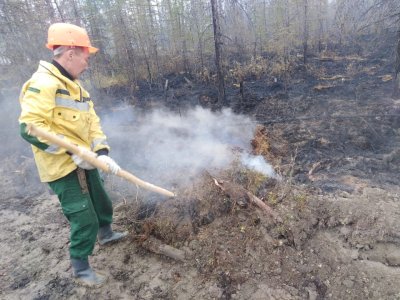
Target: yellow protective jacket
{"x":60,"y":106}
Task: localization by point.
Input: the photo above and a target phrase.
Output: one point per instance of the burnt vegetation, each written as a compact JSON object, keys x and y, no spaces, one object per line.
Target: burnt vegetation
{"x":320,"y":80}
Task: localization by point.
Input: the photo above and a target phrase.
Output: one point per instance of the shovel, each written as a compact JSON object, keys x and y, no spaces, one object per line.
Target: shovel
{"x":37,"y":132}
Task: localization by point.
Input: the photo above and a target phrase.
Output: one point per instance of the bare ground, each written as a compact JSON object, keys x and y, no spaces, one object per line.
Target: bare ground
{"x":337,"y":152}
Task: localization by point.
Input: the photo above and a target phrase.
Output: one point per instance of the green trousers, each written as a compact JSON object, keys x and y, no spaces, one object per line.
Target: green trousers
{"x":85,"y":208}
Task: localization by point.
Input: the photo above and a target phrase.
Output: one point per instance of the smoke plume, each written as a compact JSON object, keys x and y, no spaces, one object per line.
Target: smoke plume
{"x":169,"y":149}
{"x":165,"y":148}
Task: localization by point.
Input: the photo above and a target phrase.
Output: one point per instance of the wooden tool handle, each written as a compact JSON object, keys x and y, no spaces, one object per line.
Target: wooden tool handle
{"x":54,"y":139}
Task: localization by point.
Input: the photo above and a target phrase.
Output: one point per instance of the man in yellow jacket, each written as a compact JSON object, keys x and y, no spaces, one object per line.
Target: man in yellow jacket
{"x":54,"y":100}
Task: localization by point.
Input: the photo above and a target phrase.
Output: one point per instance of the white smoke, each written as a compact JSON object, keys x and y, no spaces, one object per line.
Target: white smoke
{"x":169,"y":149}
{"x":257,"y":163}
{"x":165,"y":148}
{"x":13,"y":144}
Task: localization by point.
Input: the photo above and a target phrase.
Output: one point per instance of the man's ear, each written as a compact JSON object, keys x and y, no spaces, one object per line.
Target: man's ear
{"x":70,"y":53}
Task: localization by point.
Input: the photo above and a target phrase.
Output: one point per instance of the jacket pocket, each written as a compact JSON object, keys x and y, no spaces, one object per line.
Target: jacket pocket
{"x":63,"y":114}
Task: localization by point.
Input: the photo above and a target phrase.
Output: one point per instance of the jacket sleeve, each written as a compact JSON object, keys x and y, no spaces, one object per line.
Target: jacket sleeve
{"x":37,"y":101}
{"x":97,"y":137}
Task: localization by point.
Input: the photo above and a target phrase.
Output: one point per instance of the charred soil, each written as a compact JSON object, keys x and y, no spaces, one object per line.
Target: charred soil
{"x":332,"y":231}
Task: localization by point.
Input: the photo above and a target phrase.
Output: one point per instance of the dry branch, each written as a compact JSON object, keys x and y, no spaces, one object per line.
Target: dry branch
{"x":188,"y":81}
{"x":336,"y":77}
{"x":240,"y":194}
{"x":321,"y":87}
{"x":314,"y":167}
{"x":266,"y":208}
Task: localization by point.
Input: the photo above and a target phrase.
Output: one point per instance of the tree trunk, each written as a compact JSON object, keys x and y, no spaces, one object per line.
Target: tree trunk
{"x":59,"y":10}
{"x":217,"y":40}
{"x":305,"y":37}
{"x":321,"y":8}
{"x":286,"y":41}
{"x":129,"y":51}
{"x":153,"y":39}
{"x":396,"y":90}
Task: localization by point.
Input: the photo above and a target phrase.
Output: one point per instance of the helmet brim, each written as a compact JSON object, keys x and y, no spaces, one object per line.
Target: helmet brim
{"x":92,"y":50}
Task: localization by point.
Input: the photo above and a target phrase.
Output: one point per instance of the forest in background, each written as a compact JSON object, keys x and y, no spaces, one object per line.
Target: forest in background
{"x":145,"y":40}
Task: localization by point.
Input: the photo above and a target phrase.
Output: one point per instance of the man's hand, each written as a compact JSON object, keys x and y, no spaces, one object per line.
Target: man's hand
{"x":81,"y":163}
{"x":114,"y":167}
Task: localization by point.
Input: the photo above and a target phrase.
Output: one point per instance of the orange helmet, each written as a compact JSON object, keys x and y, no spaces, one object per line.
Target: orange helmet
{"x":65,"y":34}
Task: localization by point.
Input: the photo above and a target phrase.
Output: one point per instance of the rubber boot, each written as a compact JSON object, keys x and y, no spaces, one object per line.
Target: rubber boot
{"x":84,"y":274}
{"x":107,"y":235}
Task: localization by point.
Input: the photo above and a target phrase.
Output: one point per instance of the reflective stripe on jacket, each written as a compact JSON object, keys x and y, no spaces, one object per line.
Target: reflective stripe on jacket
{"x":60,"y":106}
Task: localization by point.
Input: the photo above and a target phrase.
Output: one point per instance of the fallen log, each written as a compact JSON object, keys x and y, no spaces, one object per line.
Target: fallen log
{"x":155,"y":245}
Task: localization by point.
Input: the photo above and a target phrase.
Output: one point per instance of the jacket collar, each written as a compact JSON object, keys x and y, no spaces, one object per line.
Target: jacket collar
{"x":62,"y":70}
{"x":47,"y":67}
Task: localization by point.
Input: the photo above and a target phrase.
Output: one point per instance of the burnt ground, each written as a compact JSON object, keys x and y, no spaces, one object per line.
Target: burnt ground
{"x":333,"y":136}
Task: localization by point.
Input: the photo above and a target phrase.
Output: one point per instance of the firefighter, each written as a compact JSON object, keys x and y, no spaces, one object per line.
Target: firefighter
{"x":54,"y":100}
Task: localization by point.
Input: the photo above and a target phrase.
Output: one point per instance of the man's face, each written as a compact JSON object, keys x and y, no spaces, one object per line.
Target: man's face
{"x":78,"y":61}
